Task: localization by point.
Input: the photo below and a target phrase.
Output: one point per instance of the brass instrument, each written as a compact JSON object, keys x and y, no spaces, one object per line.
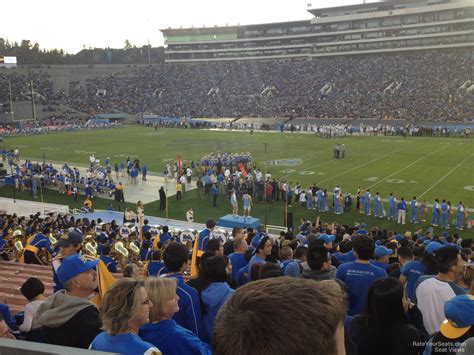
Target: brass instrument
{"x":120,"y":253}
{"x":89,"y":245}
{"x":15,"y":243}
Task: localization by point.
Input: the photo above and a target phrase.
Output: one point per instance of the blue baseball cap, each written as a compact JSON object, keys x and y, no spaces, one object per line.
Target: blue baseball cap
{"x":362,"y":232}
{"x":433,"y":246}
{"x":459,"y":312}
{"x":73,"y":237}
{"x":74,"y":265}
{"x":257,"y":240}
{"x":381,"y":251}
{"x":328,"y":238}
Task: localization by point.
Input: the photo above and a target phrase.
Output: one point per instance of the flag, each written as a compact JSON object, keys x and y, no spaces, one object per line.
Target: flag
{"x":180,"y":163}
{"x":196,"y":254}
{"x":242,"y":169}
{"x":104,"y":281}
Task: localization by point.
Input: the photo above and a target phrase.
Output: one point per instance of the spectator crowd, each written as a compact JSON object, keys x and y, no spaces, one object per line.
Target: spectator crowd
{"x":414,"y":86}
{"x":354,"y":289}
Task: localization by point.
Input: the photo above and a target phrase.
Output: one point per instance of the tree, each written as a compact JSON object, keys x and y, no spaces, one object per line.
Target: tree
{"x":128,"y":45}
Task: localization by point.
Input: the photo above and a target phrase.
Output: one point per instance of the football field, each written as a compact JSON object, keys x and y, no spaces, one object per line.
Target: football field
{"x":428,"y":167}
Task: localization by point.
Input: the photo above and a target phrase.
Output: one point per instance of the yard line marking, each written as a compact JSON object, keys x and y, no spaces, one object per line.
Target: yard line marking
{"x":369,"y":162}
{"x":405,"y":167}
{"x":446,"y":175}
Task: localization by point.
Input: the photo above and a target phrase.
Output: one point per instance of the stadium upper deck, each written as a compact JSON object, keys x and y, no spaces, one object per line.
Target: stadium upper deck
{"x":390,"y":26}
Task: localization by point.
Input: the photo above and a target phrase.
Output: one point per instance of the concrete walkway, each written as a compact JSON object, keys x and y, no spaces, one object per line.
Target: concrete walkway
{"x":145,"y":191}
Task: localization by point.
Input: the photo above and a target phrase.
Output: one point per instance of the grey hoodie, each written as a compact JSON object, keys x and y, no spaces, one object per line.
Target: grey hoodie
{"x":320,"y":275}
{"x":58,"y":309}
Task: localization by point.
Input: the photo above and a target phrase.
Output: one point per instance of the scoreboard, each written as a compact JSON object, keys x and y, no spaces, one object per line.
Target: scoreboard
{"x":7,"y":62}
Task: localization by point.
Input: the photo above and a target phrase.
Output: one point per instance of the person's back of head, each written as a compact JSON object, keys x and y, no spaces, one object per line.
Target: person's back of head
{"x":447,"y":259}
{"x":346,"y":246}
{"x":131,"y":270}
{"x":318,"y":257}
{"x":286,"y":253}
{"x":301,"y":253}
{"x":405,"y":253}
{"x":156,"y":255}
{"x":251,"y":320}
{"x":32,"y":288}
{"x":364,"y":247}
{"x":269,"y":270}
{"x":214,"y":269}
{"x":175,"y":256}
{"x":210,"y":224}
{"x":384,"y":307}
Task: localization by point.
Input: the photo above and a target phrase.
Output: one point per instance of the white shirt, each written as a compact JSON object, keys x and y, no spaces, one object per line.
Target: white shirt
{"x":431,"y":295}
{"x":30,"y":311}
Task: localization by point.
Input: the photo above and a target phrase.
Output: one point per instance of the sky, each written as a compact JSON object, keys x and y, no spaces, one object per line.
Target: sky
{"x":73,"y":25}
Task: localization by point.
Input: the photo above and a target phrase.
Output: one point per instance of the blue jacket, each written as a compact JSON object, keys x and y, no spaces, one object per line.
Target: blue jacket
{"x":214,"y":296}
{"x":189,"y":314}
{"x":125,"y":344}
{"x":173,"y":339}
{"x":5,"y":310}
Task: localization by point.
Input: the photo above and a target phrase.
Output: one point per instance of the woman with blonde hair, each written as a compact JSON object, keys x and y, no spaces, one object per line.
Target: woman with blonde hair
{"x":163,"y":331}
{"x":125,"y":308}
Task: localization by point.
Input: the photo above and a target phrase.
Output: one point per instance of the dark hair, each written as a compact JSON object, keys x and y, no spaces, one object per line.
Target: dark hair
{"x":165,"y":229}
{"x":317,"y":256}
{"x":31,"y":288}
{"x":269,"y":270}
{"x":262,"y":244}
{"x":364,"y":246}
{"x":300,"y":252}
{"x":156,"y":255}
{"x":405,"y":252}
{"x":210,"y":223}
{"x":346,"y":246}
{"x":244,"y":326}
{"x":175,"y":255}
{"x":213,"y":269}
{"x":384,"y":309}
{"x":431,"y":266}
{"x":255,"y":271}
{"x":213,"y":245}
{"x":446,"y":257}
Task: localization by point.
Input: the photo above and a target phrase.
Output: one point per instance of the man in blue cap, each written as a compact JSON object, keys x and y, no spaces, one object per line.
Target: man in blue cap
{"x":456,"y":332}
{"x":68,"y":317}
{"x":69,"y":244}
{"x":381,"y":254}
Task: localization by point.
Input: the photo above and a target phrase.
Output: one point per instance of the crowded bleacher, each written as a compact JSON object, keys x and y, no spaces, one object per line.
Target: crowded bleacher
{"x":428,"y":86}
{"x":408,"y":291}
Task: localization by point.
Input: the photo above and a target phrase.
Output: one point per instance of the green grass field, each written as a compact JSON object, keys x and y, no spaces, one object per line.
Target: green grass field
{"x":428,"y":168}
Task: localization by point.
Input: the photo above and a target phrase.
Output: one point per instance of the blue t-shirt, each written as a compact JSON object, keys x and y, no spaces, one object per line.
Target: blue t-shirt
{"x":379,"y":264}
{"x":243,"y":275}
{"x":154,"y":267}
{"x":358,"y":277}
{"x":412,"y":271}
{"x":238,"y":262}
{"x":173,"y":339}
{"x":127,"y":344}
